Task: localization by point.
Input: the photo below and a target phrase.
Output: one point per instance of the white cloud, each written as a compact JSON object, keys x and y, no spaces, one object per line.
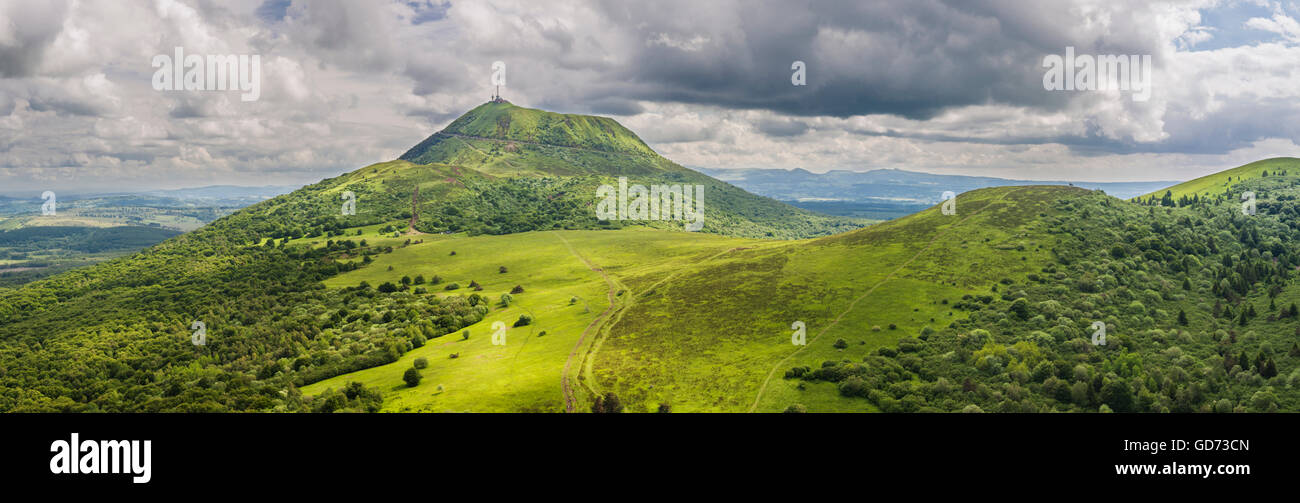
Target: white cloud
{"x":347,"y":84}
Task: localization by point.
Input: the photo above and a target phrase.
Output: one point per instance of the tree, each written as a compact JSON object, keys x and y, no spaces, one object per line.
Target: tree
{"x":387,"y":287}
{"x":841,"y":344}
{"x":412,"y":377}
{"x":607,"y":404}
{"x":1269,"y":369}
{"x":517,"y":290}
{"x":1117,"y":395}
{"x":1020,"y":308}
{"x":420,"y":363}
{"x":1182,"y":317}
{"x":503,"y":270}
{"x":523,"y":320}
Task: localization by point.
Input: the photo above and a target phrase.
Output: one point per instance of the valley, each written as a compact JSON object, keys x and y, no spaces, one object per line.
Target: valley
{"x":501,"y":289}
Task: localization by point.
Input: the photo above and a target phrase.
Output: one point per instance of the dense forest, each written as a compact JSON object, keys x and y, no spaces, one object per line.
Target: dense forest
{"x":1198,"y":300}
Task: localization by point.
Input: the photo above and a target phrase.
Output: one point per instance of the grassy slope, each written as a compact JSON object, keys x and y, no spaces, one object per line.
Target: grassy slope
{"x":702,"y":320}
{"x":737,"y":327}
{"x":503,"y":140}
{"x":1214,"y":184}
{"x":523,"y":375}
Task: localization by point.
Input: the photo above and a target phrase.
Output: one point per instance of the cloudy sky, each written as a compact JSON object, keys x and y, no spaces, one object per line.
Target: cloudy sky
{"x":944,"y":86}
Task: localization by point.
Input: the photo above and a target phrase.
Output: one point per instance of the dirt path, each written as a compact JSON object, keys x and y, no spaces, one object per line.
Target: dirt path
{"x":629,"y":301}
{"x":570,"y":401}
{"x":762,"y":389}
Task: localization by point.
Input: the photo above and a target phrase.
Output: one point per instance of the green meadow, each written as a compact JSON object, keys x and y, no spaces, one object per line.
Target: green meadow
{"x":561,"y":293}
{"x":699,"y":321}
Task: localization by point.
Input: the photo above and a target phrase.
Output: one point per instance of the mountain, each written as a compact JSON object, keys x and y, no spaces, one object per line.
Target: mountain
{"x":885,"y":193}
{"x":494,"y":134}
{"x":994,"y":308}
{"x":496,"y":289}
{"x":1217,"y":184}
{"x":252,"y":279}
{"x":522,"y":154}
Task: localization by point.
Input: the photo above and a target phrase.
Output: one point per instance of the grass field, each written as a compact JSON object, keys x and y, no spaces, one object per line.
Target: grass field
{"x":699,"y":322}
{"x":1215,"y":184}
{"x":561,"y":293}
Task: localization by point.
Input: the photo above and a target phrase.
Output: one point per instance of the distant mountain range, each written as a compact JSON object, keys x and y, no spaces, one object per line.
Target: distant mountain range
{"x":886,"y":193}
{"x":228,"y":196}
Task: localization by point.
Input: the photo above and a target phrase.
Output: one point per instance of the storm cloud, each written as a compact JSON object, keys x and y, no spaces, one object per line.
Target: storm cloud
{"x":953,"y":86}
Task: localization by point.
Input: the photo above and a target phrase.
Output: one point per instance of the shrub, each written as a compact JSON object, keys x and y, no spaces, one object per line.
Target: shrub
{"x":420,"y":363}
{"x":412,"y":377}
{"x":607,"y":404}
{"x":517,"y":290}
{"x":796,"y":408}
{"x":523,"y":320}
{"x":453,"y":286}
{"x":841,"y":344}
{"x":503,"y":270}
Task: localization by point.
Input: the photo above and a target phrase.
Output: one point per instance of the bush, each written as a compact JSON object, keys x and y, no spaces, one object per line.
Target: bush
{"x":412,"y":377}
{"x":796,"y":408}
{"x":420,"y":363}
{"x":517,"y":290}
{"x":523,"y":320}
{"x":453,"y":286}
{"x":841,"y":344}
{"x":607,"y":404}
{"x":503,"y":270}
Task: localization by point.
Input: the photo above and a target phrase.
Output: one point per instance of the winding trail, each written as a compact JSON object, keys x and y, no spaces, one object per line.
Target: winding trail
{"x":763,"y":389}
{"x":570,"y":401}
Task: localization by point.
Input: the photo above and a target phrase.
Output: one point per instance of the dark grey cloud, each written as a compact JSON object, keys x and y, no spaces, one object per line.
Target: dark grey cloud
{"x":31,"y":29}
{"x":912,"y":59}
